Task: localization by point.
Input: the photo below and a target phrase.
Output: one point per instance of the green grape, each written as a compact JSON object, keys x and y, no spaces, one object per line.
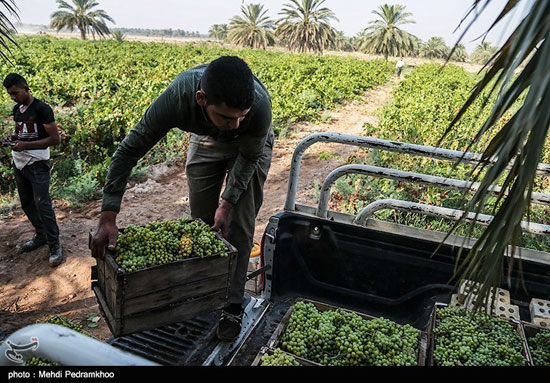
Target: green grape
{"x":279,"y":358}
{"x":341,"y":338}
{"x":464,"y":338}
{"x":157,"y":243}
{"x":540,"y":347}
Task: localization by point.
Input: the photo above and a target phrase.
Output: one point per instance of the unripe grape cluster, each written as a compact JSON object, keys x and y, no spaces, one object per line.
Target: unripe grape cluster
{"x":466,"y":338}
{"x":539,"y":345}
{"x":279,"y":358}
{"x":342,"y":338}
{"x":157,"y":243}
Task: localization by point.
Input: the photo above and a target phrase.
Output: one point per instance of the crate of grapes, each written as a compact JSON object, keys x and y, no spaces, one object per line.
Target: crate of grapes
{"x":538,"y":343}
{"x":163,"y":273}
{"x":462,"y":337}
{"x":279,"y":358}
{"x":326,"y":335}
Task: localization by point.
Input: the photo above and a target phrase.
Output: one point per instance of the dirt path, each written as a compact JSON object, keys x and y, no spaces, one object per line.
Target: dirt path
{"x":30,"y":290}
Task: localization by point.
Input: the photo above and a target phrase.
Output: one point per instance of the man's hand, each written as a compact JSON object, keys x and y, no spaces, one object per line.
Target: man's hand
{"x":19,"y":146}
{"x":105,"y":235}
{"x":221,"y":218}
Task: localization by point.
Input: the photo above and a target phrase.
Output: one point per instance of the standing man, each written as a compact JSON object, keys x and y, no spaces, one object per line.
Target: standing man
{"x":400,"y":64}
{"x":228,"y":111}
{"x":35,"y":132}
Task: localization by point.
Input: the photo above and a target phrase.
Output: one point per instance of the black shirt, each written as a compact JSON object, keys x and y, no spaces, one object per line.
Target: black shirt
{"x":29,"y":126}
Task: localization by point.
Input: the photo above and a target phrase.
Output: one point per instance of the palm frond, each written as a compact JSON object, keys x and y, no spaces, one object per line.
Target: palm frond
{"x":519,"y":141}
{"x":7,"y":29}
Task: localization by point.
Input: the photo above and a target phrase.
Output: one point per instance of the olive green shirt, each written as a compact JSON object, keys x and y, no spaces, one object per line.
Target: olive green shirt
{"x":176,"y":107}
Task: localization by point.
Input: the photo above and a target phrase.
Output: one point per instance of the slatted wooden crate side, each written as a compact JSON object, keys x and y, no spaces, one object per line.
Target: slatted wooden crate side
{"x":112,"y":322}
{"x":170,"y":314}
{"x":174,"y":294}
{"x":147,"y":281}
{"x":114,"y":286}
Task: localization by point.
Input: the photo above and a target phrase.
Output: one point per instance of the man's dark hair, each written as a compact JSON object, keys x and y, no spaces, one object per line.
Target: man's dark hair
{"x":228,"y":79}
{"x":14,"y":79}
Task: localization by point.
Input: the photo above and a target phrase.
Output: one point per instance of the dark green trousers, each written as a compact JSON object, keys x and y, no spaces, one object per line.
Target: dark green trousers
{"x":208,"y":165}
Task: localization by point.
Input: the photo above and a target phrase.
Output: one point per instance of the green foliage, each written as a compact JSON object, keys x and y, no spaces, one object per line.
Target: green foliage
{"x":325,"y":156}
{"x":483,"y":53}
{"x":423,"y":105}
{"x":119,"y":36}
{"x":305,"y":26}
{"x":218,"y":31}
{"x":435,"y":48}
{"x":79,"y":183}
{"x":254,"y":29}
{"x":100,"y":89}
{"x":384,"y":35}
{"x":81,"y":16}
{"x":459,"y":54}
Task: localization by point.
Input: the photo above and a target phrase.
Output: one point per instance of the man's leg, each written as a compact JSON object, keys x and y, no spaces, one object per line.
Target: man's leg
{"x":208,"y":163}
{"x":39,"y":177}
{"x":243,"y":219}
{"x":26,"y":197}
{"x":205,"y":170}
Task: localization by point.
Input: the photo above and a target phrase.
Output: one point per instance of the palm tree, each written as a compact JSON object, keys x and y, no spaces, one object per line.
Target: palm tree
{"x":435,"y":48}
{"x":518,"y":72}
{"x":459,"y":53}
{"x":384,"y":36}
{"x":119,"y":36}
{"x":254,"y":29}
{"x":483,"y":53}
{"x":81,"y":16}
{"x":218,"y":31}
{"x":342,"y":42}
{"x":6,"y":27}
{"x":305,"y":26}
{"x":418,"y":46}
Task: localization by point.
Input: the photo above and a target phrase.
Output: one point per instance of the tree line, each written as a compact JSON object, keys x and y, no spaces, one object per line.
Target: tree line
{"x":305,"y":26}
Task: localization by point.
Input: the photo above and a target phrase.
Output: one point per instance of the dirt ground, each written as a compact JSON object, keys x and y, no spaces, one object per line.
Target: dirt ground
{"x":31,"y":290}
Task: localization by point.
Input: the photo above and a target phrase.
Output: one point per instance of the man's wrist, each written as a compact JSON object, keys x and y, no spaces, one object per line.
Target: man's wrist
{"x":107,"y":216}
{"x":225,"y":205}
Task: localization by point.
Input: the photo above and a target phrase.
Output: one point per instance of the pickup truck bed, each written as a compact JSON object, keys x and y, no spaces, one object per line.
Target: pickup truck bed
{"x":387,"y":270}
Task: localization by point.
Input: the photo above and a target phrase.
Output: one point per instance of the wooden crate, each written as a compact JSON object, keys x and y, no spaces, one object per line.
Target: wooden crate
{"x":432,"y":323}
{"x":530,"y":330}
{"x":163,"y":294}
{"x":275,"y":340}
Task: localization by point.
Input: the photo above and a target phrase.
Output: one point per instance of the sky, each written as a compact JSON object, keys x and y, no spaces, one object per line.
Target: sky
{"x":432,"y":17}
